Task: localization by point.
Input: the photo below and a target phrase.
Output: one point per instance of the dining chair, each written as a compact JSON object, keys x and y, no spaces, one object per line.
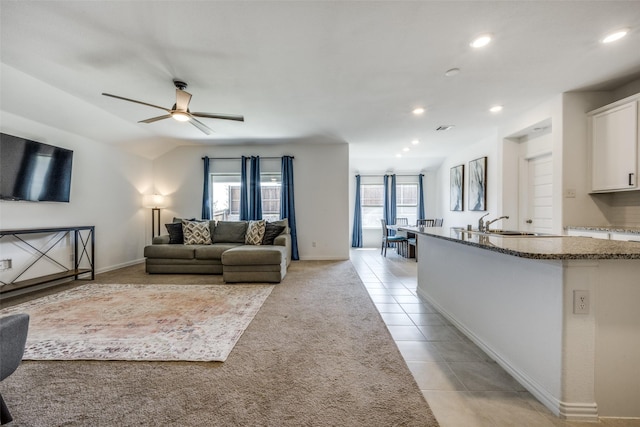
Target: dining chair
{"x":438,"y":222}
{"x":403,"y":249}
{"x":388,"y":238}
{"x":414,"y":242}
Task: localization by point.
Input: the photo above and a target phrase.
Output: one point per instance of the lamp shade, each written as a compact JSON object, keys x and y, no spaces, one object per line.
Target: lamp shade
{"x":153,"y":201}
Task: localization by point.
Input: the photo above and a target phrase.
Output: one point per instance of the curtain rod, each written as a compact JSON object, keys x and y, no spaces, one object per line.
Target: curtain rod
{"x":240,"y":158}
{"x":383,"y":174}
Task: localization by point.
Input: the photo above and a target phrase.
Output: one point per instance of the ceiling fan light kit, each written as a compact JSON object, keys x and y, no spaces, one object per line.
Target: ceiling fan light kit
{"x":180,"y":110}
{"x":181,"y":117}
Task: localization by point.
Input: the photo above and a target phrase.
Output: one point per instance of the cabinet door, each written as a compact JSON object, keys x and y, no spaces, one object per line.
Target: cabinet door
{"x":614,"y":144}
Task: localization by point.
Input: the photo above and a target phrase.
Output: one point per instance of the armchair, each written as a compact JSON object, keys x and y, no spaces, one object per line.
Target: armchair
{"x":13,"y":337}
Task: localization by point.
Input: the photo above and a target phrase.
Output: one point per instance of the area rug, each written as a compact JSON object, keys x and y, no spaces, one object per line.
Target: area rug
{"x":140,"y":321}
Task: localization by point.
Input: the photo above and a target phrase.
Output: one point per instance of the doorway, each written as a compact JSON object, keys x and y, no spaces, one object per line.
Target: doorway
{"x":536,"y":207}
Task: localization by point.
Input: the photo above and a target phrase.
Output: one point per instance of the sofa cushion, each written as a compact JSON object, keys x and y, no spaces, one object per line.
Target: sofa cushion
{"x":213,"y":251}
{"x":283,"y":222}
{"x":196,"y":232}
{"x":255,"y":232}
{"x":230,"y":232}
{"x":271,"y":232}
{"x":254,"y":255}
{"x":169,"y":251}
{"x":176,"y":237}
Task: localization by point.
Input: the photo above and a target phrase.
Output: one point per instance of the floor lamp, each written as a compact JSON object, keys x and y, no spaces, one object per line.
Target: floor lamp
{"x":155,"y":202}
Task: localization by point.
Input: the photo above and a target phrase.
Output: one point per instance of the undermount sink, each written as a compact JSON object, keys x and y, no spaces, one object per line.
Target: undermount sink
{"x":516,"y":233}
{"x":509,"y":233}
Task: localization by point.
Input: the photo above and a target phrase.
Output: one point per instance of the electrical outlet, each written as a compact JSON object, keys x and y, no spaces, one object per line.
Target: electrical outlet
{"x":313,"y":244}
{"x":570,"y":193}
{"x":581,"y":302}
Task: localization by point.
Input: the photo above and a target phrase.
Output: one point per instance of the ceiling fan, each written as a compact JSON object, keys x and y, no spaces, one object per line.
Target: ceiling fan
{"x":180,"y":110}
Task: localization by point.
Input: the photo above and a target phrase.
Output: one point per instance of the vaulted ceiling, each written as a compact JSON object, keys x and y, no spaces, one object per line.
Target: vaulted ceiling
{"x":317,"y":71}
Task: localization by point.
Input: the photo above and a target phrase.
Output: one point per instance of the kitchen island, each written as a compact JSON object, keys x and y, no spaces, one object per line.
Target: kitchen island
{"x":558,"y":313}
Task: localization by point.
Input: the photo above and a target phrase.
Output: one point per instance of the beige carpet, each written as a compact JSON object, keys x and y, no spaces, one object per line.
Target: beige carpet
{"x":140,"y":321}
{"x":316,"y":354}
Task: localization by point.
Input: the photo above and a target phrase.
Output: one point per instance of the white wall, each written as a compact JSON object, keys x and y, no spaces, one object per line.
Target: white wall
{"x":584,"y":209}
{"x":106,"y":188}
{"x":617,"y":344}
{"x":486,"y":147}
{"x":321,"y":189}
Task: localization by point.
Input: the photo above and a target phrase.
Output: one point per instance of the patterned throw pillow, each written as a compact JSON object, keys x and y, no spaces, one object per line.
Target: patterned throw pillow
{"x":196,"y":232}
{"x":176,"y":237}
{"x":255,"y":232}
{"x":271,"y":232}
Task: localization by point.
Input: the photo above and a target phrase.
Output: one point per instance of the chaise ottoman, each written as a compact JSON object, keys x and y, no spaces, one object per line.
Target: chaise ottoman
{"x":254,"y":264}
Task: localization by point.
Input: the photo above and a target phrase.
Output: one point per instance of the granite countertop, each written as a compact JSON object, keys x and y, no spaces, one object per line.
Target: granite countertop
{"x":538,"y":247}
{"x":608,"y":228}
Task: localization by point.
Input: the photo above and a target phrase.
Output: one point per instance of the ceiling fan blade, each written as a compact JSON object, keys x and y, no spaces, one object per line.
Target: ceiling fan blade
{"x":219,"y":116}
{"x":204,"y":128}
{"x":137,"y":102}
{"x":155,"y":119}
{"x":182,"y":100}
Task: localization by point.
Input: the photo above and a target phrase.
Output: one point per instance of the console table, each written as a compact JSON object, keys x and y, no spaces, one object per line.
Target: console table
{"x":82,"y":259}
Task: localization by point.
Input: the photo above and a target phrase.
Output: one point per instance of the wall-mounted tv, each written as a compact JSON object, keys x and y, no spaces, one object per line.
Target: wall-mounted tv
{"x":33,"y":171}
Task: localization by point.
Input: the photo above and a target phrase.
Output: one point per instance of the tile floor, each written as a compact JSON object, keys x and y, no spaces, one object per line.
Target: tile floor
{"x":463,"y":386}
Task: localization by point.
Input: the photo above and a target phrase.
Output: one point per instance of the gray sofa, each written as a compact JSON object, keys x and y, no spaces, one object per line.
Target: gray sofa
{"x":227,"y":254}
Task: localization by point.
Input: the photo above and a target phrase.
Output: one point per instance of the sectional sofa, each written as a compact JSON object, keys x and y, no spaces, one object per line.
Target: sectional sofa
{"x":242,"y":251}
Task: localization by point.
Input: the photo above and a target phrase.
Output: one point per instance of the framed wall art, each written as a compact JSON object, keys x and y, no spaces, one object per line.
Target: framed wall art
{"x":478,"y":184}
{"x":456,"y":180}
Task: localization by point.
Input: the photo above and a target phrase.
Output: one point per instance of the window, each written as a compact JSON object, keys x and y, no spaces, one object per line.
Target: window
{"x":372,"y":202}
{"x":225,"y":189}
{"x":270,"y":185}
{"x":407,"y":202}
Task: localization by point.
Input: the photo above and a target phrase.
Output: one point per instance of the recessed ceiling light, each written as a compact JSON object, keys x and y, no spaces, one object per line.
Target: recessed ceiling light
{"x":415,"y":142}
{"x":405,"y":149}
{"x":616,"y":35}
{"x":496,"y":108}
{"x":418,"y":111}
{"x":452,"y":72}
{"x":481,"y":41}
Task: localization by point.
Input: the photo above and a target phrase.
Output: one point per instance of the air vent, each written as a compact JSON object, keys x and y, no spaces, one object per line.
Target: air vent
{"x":445,"y":127}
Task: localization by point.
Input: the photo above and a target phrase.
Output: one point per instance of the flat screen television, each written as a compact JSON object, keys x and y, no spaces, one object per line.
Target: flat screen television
{"x":34,"y":171}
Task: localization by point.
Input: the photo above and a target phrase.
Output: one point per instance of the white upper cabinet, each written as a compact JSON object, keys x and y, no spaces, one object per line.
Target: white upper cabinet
{"x":614,"y":146}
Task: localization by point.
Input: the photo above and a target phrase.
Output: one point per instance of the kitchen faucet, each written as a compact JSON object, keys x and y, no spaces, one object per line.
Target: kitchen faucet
{"x":488,"y":223}
{"x":480,"y":223}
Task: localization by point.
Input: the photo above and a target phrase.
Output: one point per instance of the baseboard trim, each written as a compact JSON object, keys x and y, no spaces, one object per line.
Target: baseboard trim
{"x":579,"y":411}
{"x":571,"y":411}
{"x":121,"y":265}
